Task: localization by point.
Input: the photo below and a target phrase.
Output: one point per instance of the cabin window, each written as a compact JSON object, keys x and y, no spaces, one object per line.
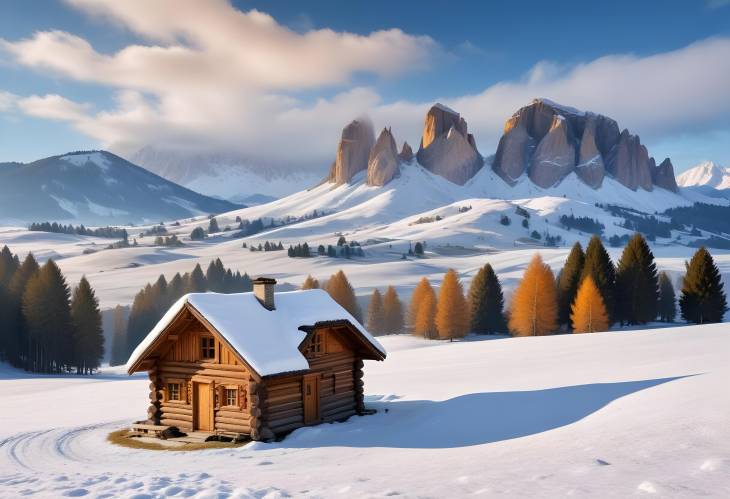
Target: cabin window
{"x":316,"y":345}
{"x":173,"y":391}
{"x":231,"y":396}
{"x":207,"y":347}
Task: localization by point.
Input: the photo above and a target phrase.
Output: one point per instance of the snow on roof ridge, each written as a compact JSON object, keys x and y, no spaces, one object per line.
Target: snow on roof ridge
{"x":270,"y":340}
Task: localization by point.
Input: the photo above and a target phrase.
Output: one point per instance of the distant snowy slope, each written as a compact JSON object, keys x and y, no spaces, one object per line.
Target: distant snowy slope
{"x":95,"y":187}
{"x":708,"y":174}
{"x":225,"y":176}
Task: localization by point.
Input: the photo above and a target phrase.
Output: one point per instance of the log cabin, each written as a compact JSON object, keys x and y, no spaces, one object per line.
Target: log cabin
{"x":255,"y":365}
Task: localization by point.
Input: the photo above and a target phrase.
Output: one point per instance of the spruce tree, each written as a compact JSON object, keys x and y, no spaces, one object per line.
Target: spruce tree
{"x":341,"y":291}
{"x":452,"y":309}
{"x":119,"y":337}
{"x":599,"y":266}
{"x":213,"y":226}
{"x":637,"y":286}
{"x":534,"y":308}
{"x":21,"y":341}
{"x":568,"y":281}
{"x":215,"y":276}
{"x":588,"y":312}
{"x":486,"y":303}
{"x":48,"y":315}
{"x":196,"y":282}
{"x":667,"y":299}
{"x":392,"y":311}
{"x":703,"y":298}
{"x":176,"y":288}
{"x":88,"y":338}
{"x":376,"y":316}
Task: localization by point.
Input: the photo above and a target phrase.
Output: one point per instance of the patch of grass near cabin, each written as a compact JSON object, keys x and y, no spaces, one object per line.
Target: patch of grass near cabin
{"x":123,"y":439}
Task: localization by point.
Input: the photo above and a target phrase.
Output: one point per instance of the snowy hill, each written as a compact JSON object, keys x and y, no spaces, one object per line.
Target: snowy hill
{"x":596,"y":415}
{"x":94,"y":187}
{"x":707,"y":174}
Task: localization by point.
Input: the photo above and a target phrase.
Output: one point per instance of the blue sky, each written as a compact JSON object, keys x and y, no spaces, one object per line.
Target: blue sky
{"x":468,"y":54}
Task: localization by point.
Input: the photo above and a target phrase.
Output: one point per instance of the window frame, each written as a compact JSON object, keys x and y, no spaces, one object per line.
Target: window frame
{"x":316,"y":347}
{"x":226,"y":398}
{"x":206,"y":349}
{"x":181,"y":390}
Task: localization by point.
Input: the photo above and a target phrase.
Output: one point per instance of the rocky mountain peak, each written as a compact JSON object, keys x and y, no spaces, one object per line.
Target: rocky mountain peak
{"x":383,"y":160}
{"x":586,"y":143}
{"x":353,"y":151}
{"x":447,"y":148}
{"x":406,"y":153}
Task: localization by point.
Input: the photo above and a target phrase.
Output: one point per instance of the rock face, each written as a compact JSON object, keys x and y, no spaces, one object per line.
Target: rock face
{"x":447,"y":149}
{"x":663,"y":176}
{"x":353,"y":151}
{"x":406,"y":153}
{"x":383,"y":161}
{"x":590,"y":168}
{"x":628,"y":162}
{"x":554,"y":157}
{"x":549,"y":141}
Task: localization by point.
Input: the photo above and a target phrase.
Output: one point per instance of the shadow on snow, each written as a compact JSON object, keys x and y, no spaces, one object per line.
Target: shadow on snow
{"x":471,"y":419}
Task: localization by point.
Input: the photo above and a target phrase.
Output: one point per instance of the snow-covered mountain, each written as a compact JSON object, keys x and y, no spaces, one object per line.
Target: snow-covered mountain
{"x":95,"y":187}
{"x":226,"y":176}
{"x":708,"y":174}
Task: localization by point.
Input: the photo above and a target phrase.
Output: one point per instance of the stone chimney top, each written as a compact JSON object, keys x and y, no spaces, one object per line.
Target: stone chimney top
{"x":263,"y":289}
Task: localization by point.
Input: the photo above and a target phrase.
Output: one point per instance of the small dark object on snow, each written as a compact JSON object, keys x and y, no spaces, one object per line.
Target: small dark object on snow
{"x":386,"y":409}
{"x":218,"y":438}
{"x":602,"y":462}
{"x":171,"y":432}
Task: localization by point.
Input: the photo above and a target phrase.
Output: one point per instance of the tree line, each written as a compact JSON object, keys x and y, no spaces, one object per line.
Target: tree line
{"x":589,"y":294}
{"x":154,"y":299}
{"x":109,"y":232}
{"x":44,"y":326}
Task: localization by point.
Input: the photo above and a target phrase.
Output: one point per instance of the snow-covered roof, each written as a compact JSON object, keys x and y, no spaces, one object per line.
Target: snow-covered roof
{"x":268,"y":340}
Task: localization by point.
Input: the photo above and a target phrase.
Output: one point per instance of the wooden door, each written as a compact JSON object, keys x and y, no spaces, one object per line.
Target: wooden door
{"x":310,"y":390}
{"x":203,"y":406}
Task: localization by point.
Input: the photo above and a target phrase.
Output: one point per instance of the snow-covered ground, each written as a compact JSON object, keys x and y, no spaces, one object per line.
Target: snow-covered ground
{"x":620,"y":414}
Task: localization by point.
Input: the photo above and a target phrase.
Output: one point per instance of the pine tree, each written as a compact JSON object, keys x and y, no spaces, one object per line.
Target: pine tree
{"x":310,"y":283}
{"x":425,"y":321}
{"x":21,"y":342}
{"x":8,"y":265}
{"x":213,"y":226}
{"x":48,"y":315}
{"x":486,"y":303}
{"x":534,"y":309}
{"x":176,"y":288}
{"x":667,"y":299}
{"x":341,"y":291}
{"x":119,"y":337}
{"x":567,"y":283}
{"x":197,"y":283}
{"x":215,"y":276}
{"x":599,"y":266}
{"x":452,"y":310}
{"x":588,"y":313}
{"x":703,"y":298}
{"x":392,"y":311}
{"x":637,"y":287}
{"x":376,"y":315}
{"x":88,"y":338}
{"x":8,"y":334}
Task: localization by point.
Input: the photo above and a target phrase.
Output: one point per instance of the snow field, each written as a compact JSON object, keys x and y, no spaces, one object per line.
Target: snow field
{"x":620,"y":414}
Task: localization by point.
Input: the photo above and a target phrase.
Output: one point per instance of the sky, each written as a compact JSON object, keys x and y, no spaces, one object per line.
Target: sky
{"x":275,"y":82}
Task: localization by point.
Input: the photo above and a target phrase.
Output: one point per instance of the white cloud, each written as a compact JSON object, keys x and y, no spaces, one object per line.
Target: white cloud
{"x":212,"y":78}
{"x":53,"y":107}
{"x":7,"y":101}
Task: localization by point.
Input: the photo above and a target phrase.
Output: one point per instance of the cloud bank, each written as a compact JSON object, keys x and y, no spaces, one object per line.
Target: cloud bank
{"x":209,"y":77}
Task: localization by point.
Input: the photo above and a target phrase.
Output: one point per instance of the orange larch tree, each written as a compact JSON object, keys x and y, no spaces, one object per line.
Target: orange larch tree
{"x":425,"y":321}
{"x":588,"y":314}
{"x":534,"y":309}
{"x":392,"y":311}
{"x":376,"y":317}
{"x":452,"y":310}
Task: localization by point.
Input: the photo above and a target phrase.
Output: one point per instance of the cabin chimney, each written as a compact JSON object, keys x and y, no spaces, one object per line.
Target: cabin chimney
{"x":263,"y":289}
